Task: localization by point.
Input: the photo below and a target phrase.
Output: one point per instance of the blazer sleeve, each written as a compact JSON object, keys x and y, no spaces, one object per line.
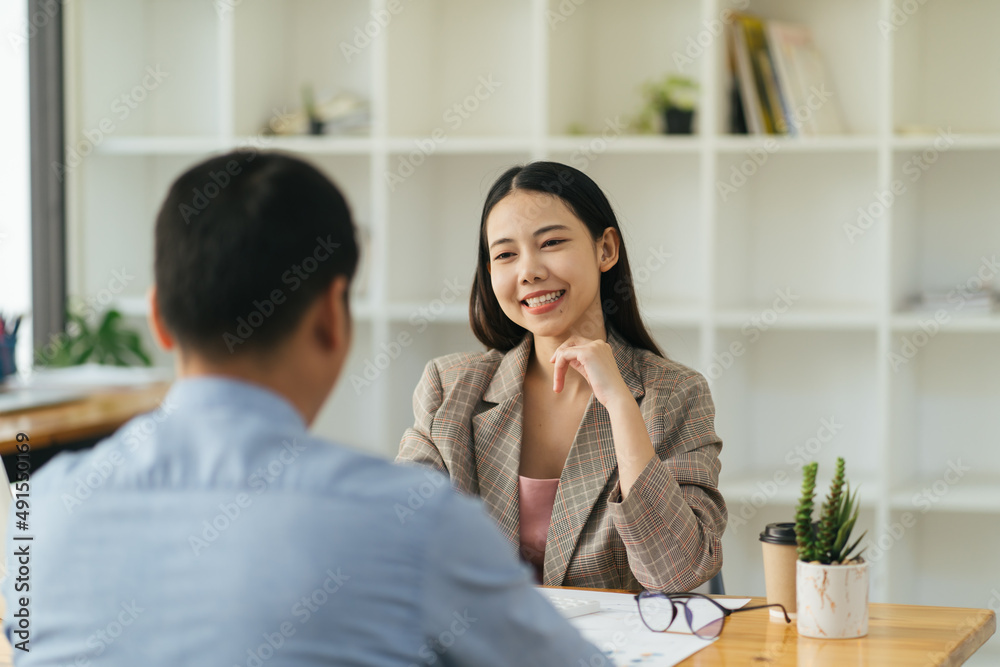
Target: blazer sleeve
{"x":673,"y":517}
{"x":417,"y":446}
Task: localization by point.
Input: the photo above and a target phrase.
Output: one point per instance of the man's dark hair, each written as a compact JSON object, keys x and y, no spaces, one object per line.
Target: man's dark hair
{"x":245,"y":242}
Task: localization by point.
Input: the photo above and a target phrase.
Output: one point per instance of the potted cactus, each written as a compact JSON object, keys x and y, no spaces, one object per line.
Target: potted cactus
{"x":831,"y":582}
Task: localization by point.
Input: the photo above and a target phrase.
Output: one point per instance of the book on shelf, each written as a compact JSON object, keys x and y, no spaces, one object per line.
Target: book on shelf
{"x":982,"y":301}
{"x":742,"y":68}
{"x":784,"y":86}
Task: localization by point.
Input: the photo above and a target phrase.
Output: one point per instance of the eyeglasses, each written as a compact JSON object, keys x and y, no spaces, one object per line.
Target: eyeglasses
{"x":704,"y":615}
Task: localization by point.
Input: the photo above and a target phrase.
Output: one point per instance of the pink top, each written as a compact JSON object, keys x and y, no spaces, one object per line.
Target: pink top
{"x":536,"y":499}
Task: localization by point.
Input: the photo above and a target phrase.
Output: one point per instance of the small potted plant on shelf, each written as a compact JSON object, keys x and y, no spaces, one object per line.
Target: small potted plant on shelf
{"x":831,"y":582}
{"x":674,"y":97}
{"x":312,"y":113}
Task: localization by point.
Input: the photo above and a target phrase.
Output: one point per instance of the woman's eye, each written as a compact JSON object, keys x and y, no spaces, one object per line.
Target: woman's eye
{"x":503,"y":255}
{"x":552,"y":242}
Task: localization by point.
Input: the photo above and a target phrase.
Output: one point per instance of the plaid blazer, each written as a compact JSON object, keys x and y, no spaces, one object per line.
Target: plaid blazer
{"x":664,"y":536}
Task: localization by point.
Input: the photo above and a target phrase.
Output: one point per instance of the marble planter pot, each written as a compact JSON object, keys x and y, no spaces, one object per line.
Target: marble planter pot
{"x":832,"y":600}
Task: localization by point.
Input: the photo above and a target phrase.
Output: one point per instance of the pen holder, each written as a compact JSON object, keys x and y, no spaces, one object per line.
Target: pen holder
{"x":7,"y":365}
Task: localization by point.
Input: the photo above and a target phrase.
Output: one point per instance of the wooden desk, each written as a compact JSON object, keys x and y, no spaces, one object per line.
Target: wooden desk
{"x":898,"y":634}
{"x":95,"y":416}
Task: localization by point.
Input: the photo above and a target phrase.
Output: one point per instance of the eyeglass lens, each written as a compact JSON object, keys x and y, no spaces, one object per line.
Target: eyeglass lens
{"x":702,"y":617}
{"x":657,"y":612}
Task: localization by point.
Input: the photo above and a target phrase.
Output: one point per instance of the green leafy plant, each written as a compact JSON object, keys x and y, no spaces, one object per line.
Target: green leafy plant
{"x":110,"y":343}
{"x":827,"y":542}
{"x":672,"y":91}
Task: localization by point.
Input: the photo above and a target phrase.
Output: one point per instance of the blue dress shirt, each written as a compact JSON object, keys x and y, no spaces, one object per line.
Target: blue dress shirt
{"x":217,"y":531}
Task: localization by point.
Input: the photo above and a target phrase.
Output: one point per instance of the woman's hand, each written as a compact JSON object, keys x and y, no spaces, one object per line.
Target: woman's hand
{"x":595,"y":361}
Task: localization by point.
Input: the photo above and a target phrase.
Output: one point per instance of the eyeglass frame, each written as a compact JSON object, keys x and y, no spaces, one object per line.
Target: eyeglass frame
{"x":688,"y":615}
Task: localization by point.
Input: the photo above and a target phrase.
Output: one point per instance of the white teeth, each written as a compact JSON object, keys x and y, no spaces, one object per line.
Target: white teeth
{"x":537,"y":301}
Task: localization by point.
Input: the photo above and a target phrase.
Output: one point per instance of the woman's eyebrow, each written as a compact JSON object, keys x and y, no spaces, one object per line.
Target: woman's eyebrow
{"x":537,"y":232}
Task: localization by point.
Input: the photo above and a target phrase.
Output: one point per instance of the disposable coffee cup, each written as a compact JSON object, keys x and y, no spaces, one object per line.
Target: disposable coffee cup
{"x":778,"y":543}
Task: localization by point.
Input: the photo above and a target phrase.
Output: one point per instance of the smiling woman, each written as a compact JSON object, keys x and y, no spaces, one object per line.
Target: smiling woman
{"x":595,"y":454}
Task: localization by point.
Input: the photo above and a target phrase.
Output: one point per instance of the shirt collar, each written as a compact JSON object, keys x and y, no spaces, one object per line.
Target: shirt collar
{"x":206,"y":391}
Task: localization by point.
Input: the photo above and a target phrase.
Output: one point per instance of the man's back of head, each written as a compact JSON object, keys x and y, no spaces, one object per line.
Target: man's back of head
{"x":245,"y":233}
{"x":217,"y":529}
{"x":253,"y":259}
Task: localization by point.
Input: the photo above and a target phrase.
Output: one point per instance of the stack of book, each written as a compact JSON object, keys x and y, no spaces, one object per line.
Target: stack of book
{"x":780,"y":84}
{"x":983,"y":301}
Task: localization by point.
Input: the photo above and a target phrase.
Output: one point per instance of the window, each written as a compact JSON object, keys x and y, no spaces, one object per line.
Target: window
{"x":15,"y":224}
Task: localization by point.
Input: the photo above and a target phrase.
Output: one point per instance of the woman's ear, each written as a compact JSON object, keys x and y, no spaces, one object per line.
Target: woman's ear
{"x":607,"y":248}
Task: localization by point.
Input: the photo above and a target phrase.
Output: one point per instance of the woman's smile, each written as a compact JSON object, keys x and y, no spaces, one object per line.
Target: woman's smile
{"x":538,"y":303}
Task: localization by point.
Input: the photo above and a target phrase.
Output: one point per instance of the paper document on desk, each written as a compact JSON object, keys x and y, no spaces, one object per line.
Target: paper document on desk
{"x":619,"y":632}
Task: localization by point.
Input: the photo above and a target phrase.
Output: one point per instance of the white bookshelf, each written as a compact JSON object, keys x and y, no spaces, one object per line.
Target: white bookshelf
{"x":730,"y":258}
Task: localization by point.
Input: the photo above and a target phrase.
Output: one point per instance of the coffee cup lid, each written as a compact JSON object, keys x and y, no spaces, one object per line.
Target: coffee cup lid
{"x":778,"y":533}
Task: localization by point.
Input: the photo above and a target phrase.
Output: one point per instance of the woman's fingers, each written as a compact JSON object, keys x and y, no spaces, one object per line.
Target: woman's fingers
{"x":571,"y":353}
{"x":562,"y":358}
{"x":594,"y":360}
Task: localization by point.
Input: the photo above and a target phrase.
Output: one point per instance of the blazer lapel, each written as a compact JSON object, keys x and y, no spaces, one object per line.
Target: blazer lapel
{"x":496,"y":433}
{"x":589,"y":465}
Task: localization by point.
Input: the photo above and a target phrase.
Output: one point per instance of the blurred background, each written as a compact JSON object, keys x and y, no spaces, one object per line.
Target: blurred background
{"x":826,"y":256}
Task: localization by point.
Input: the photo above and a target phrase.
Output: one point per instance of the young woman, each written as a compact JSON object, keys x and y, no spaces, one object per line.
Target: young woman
{"x":596,"y":455}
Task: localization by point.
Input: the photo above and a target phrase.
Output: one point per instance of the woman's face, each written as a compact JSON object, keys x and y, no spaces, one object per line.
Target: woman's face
{"x":545,"y":266}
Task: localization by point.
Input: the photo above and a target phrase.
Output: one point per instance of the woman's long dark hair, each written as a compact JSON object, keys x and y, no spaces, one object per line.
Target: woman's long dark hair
{"x":582,"y":196}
